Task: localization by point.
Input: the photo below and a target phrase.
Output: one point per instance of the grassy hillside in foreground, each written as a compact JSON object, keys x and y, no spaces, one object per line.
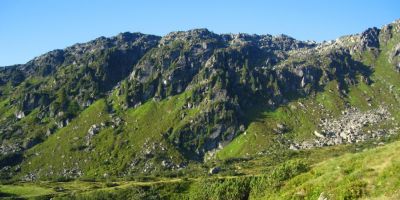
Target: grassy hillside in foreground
{"x":369,"y":174}
{"x":372,"y":173}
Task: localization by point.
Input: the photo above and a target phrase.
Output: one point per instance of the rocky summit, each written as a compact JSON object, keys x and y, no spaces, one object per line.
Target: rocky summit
{"x":193,"y":113}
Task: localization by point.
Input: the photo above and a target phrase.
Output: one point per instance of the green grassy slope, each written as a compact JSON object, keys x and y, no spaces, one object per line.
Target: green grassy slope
{"x":63,"y":150}
{"x":110,"y":152}
{"x":370,"y":173}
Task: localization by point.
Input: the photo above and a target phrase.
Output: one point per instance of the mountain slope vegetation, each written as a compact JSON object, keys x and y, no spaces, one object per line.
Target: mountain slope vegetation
{"x":265,"y":117}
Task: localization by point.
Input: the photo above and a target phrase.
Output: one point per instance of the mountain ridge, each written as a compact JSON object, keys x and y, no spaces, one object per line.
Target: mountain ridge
{"x":140,"y":104}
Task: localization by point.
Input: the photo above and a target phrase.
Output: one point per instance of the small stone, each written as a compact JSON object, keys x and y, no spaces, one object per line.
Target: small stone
{"x":323,"y":196}
{"x":20,"y":114}
{"x":214,"y":170}
{"x":293,"y":147}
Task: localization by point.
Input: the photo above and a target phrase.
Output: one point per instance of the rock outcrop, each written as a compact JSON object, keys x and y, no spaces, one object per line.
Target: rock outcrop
{"x":352,"y":126}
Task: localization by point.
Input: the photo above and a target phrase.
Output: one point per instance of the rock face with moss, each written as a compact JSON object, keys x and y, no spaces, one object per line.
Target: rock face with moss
{"x":61,"y":83}
{"x":165,"y":101}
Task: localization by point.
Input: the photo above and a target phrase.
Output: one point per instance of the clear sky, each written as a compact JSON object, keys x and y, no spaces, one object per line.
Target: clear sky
{"x":29,"y":28}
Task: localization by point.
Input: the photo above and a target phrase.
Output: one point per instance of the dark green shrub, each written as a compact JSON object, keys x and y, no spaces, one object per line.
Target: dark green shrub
{"x":288,"y":170}
{"x":234,"y":188}
{"x":354,"y":190}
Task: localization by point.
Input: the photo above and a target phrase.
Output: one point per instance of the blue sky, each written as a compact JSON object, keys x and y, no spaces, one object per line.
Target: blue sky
{"x":29,"y":28}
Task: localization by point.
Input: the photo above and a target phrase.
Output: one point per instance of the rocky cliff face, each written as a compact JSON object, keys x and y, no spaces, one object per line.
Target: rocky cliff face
{"x":221,"y":77}
{"x":231,"y":72}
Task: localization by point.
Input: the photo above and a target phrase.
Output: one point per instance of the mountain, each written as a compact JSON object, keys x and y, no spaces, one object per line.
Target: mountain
{"x":194,"y":102}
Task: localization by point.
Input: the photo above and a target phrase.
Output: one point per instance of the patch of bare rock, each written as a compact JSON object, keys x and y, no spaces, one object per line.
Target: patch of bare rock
{"x":352,"y":126}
